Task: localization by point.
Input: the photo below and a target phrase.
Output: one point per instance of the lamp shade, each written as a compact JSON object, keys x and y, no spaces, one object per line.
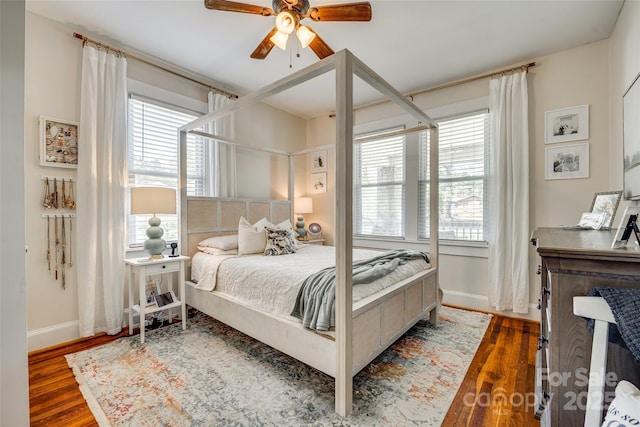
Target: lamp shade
{"x":153,"y":200}
{"x":305,"y":35}
{"x":303,"y":205}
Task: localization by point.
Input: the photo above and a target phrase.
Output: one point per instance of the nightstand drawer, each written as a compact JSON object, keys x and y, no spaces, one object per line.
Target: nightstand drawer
{"x":162,"y":268}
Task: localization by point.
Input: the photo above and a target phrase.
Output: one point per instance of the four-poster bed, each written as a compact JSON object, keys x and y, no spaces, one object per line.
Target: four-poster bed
{"x":363,"y":329}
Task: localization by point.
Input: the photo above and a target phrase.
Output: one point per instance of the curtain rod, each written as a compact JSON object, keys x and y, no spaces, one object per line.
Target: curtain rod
{"x":448,"y":85}
{"x":137,"y":58}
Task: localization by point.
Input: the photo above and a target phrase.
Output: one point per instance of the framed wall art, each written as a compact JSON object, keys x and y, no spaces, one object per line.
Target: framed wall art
{"x":58,"y":142}
{"x":567,"y":161}
{"x":567,"y":124}
{"x":318,"y":161}
{"x":319,"y":182}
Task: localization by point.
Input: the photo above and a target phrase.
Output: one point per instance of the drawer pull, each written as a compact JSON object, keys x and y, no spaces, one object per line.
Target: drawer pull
{"x":541,"y":341}
{"x":546,"y":291}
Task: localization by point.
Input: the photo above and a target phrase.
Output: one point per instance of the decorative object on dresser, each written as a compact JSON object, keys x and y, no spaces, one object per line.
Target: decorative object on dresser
{"x":606,"y":203}
{"x":150,"y":300}
{"x":628,"y":225}
{"x":572,"y":264}
{"x":58,"y":142}
{"x":153,"y":200}
{"x":302,"y":205}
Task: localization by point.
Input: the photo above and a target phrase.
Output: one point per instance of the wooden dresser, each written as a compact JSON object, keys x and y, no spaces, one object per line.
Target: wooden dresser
{"x":572,"y":262}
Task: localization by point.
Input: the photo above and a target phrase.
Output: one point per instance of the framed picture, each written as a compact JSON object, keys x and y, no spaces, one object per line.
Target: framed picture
{"x":567,"y":124}
{"x":631,"y":140}
{"x":319,"y":182}
{"x":606,"y":203}
{"x":58,"y":142}
{"x":567,"y":161}
{"x":627,"y":226}
{"x":151,"y":290}
{"x":318,"y":161}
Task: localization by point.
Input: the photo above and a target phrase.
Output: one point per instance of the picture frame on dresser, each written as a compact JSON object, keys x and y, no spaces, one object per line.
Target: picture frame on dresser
{"x":628,"y":225}
{"x":606,"y":203}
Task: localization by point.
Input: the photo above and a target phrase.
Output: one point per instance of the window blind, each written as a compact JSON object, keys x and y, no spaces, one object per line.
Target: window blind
{"x":379,"y":186}
{"x":153,"y":157}
{"x":463,"y":144}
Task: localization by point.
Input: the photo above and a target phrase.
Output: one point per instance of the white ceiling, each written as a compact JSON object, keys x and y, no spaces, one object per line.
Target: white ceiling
{"x":413,"y":44}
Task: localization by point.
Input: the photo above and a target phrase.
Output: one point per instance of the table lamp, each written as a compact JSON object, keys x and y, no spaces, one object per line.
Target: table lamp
{"x":302,"y":205}
{"x":152,"y":201}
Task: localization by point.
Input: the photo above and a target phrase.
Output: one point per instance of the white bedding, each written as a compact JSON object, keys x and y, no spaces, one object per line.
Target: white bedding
{"x":271,"y":283}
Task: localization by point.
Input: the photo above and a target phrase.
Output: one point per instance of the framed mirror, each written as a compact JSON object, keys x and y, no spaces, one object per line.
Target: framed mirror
{"x":606,"y":203}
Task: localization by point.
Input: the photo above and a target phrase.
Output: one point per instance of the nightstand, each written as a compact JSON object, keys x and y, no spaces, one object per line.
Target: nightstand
{"x":314,"y":241}
{"x":144,"y":267}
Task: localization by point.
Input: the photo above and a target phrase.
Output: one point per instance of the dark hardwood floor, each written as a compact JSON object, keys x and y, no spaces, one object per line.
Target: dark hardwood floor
{"x":497,"y":389}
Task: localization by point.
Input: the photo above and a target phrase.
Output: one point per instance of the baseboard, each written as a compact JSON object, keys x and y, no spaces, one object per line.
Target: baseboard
{"x":50,"y":336}
{"x":481,"y":302}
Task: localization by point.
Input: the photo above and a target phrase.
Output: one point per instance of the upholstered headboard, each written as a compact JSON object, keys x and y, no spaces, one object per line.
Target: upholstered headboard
{"x":207,"y":217}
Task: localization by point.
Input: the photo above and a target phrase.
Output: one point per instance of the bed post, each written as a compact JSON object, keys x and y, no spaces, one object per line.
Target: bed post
{"x":344,"y":232}
{"x":182,"y":187}
{"x":434,"y":222}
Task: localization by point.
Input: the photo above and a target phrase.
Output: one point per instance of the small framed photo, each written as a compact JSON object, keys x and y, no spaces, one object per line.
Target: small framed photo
{"x":318,"y":161}
{"x":628,"y":226}
{"x":567,"y":161}
{"x":319,"y":182}
{"x":58,"y":142}
{"x":151,"y":290}
{"x":606,"y":203}
{"x":567,"y":124}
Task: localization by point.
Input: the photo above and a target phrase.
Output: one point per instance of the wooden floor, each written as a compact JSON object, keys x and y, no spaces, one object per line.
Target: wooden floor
{"x":497,"y":390}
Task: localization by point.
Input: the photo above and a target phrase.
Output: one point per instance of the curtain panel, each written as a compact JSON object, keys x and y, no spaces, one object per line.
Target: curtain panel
{"x":509,"y":194}
{"x":222,"y":162}
{"x":101,"y":192}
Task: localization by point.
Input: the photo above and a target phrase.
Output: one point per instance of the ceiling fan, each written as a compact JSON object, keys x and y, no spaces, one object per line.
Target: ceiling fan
{"x":289,"y":13}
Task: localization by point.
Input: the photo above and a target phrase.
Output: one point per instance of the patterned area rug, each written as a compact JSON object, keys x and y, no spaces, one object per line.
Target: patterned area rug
{"x":212,"y":375}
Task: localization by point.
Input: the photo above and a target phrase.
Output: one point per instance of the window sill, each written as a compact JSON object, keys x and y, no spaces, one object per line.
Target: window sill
{"x":447,"y":247}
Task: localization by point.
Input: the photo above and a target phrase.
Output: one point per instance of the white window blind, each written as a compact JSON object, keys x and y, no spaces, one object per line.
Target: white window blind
{"x":153,"y":157}
{"x":463,"y":143}
{"x":379,"y":186}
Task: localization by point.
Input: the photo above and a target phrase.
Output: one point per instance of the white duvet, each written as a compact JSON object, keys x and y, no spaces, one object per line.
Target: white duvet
{"x":271,"y":283}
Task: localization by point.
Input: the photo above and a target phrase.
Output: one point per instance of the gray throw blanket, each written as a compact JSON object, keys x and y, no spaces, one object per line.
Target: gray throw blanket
{"x":315,"y":303}
{"x":625,"y":306}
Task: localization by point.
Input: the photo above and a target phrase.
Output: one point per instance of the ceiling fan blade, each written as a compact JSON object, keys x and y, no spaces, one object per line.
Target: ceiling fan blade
{"x":320,"y":47}
{"x":232,"y":6}
{"x":265,"y":46}
{"x":341,"y":12}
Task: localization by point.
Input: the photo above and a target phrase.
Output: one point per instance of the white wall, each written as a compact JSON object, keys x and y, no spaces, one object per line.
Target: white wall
{"x":14,"y":385}
{"x":52,"y":74}
{"x":566,"y":79}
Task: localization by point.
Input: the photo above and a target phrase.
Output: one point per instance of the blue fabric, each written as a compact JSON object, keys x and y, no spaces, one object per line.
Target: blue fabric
{"x":625,"y":306}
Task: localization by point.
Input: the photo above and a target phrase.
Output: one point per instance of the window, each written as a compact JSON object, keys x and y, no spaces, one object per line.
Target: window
{"x":463,"y":145}
{"x":153,"y":157}
{"x":379,"y":187}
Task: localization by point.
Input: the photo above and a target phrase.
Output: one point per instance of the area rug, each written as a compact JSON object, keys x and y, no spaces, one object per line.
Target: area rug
{"x":213,"y":375}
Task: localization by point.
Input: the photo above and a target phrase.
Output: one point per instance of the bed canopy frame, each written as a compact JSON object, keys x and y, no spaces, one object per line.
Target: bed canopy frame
{"x":346,"y":65}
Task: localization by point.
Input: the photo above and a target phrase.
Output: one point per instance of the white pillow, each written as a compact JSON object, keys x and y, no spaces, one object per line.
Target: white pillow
{"x":215,"y":251}
{"x":224,"y":243}
{"x":624,"y":410}
{"x":252,"y":239}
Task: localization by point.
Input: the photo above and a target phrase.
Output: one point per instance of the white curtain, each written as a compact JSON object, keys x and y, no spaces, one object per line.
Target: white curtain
{"x":509,"y":194}
{"x":223,"y":161}
{"x":102,"y":153}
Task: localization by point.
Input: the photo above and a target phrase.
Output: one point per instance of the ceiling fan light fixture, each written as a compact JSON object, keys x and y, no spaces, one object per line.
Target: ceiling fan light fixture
{"x":305,"y":35}
{"x":285,"y":22}
{"x":280,"y":40}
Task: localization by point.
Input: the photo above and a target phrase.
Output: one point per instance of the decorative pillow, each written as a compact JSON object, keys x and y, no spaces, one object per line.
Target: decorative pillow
{"x":214,"y":251}
{"x":280,"y":241}
{"x":624,"y":410}
{"x":224,"y":243}
{"x":251,"y":240}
